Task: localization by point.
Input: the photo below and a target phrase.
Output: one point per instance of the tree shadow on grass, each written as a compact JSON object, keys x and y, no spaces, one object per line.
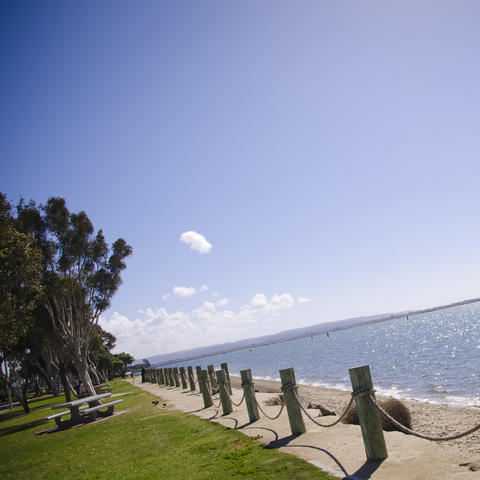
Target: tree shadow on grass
{"x":20,"y":412}
{"x":21,"y":428}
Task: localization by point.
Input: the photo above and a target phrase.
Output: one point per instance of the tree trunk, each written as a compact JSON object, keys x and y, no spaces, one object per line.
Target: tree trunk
{"x":25,"y":398}
{"x":36,"y":386}
{"x":47,"y":377}
{"x":83,"y":375}
{"x":65,"y":383}
{"x":9,"y":395}
{"x":94,"y":375}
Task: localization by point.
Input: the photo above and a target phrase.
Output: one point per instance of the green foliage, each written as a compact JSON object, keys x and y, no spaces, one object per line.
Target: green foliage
{"x":145,"y":442}
{"x":20,"y":280}
{"x":81,"y":273}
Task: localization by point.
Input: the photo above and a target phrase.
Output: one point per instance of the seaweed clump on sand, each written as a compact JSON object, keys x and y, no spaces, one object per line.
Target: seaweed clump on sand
{"x":395,"y":408}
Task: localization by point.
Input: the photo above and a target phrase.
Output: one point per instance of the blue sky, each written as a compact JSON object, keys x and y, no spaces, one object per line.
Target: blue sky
{"x":326,"y":150}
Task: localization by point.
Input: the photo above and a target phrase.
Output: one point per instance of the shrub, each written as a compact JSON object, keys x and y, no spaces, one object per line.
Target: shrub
{"x":395,"y":408}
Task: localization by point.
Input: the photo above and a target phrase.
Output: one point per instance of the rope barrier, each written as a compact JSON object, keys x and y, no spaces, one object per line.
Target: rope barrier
{"x":210,"y":391}
{"x":321,"y":424}
{"x":261,"y":409}
{"x":404,"y":429}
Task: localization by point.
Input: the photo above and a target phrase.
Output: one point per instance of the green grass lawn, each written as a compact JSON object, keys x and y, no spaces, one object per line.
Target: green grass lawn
{"x":145,"y":442}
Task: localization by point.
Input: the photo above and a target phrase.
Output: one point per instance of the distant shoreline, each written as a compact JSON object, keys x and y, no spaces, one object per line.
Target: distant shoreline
{"x":312,"y":331}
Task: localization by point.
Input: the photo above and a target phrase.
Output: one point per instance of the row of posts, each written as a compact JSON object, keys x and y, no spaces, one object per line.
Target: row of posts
{"x":211,"y":382}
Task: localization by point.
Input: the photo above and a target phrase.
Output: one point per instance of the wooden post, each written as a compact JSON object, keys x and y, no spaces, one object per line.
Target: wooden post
{"x":191,"y":380}
{"x":224,"y":396}
{"x":170,"y":376}
{"x":175,"y":377}
{"x":161,"y":377}
{"x":165,"y":376}
{"x":213,"y":380}
{"x":293,"y":408}
{"x":198,"y":369}
{"x":203,"y":382}
{"x":182,"y":378}
{"x":247,"y":385}
{"x":224,"y":367}
{"x":368,"y":415}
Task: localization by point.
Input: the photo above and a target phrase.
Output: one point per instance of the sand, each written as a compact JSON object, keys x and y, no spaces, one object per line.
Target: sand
{"x":339,"y":450}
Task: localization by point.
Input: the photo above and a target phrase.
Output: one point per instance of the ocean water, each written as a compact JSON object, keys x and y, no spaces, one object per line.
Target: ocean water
{"x":432,"y":357}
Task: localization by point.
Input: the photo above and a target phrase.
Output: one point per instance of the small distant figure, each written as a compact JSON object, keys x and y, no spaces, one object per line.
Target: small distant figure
{"x":155,"y":402}
{"x":143,"y":375}
{"x":328,"y":335}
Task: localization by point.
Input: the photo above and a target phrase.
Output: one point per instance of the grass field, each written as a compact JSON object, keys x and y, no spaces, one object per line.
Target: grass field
{"x":144,"y":442}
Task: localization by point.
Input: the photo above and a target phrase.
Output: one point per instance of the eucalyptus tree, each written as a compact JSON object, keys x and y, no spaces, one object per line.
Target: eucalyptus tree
{"x":81,"y":273}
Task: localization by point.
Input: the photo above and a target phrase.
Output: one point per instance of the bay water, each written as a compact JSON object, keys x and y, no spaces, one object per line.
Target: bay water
{"x":433,"y":357}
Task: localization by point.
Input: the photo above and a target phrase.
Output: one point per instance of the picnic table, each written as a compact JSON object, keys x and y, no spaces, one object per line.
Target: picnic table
{"x":83,"y":410}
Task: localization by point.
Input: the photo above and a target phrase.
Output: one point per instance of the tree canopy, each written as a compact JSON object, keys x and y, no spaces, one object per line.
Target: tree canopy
{"x":57,"y":276}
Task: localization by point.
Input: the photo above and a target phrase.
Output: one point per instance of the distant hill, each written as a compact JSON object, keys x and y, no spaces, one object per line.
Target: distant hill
{"x":317,"y":329}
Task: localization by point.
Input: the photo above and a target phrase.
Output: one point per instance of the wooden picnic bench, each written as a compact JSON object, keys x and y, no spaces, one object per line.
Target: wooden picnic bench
{"x":80,"y":413}
{"x":102,"y":388}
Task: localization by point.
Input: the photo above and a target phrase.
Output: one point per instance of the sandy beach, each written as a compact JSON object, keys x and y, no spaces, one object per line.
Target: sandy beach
{"x":427,"y":418}
{"x":339,"y":450}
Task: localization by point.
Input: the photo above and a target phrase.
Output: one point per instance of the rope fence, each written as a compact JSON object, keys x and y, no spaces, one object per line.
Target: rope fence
{"x":408,"y":431}
{"x":211,"y":382}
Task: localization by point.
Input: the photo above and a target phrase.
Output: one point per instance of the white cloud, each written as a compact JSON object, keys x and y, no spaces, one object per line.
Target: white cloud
{"x":196,"y":241}
{"x":205,"y":311}
{"x":260,"y":302}
{"x":158,"y":331}
{"x":185,"y":292}
{"x":304,"y":300}
{"x":166,"y":296}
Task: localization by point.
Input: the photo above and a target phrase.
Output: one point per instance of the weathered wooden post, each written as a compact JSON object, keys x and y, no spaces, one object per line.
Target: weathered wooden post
{"x":249,"y":392}
{"x":203,"y":382}
{"x":191,"y":380}
{"x":224,"y":396}
{"x":161,"y":379}
{"x":170,"y":377}
{"x":368,"y":415}
{"x":165,"y":376}
{"x":293,"y":408}
{"x":224,"y":367}
{"x":213,"y":380}
{"x":175,"y":377}
{"x":182,"y":378}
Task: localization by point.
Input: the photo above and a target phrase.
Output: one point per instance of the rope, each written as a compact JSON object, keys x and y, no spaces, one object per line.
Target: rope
{"x":261,"y":409}
{"x":404,"y":429}
{"x":355,"y":395}
{"x":239,"y":403}
{"x":210,"y":391}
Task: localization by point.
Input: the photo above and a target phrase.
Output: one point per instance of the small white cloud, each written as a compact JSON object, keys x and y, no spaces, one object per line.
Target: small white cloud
{"x":259,"y":301}
{"x":184,"y":292}
{"x":166,"y":296}
{"x":222,"y":302}
{"x":304,"y":300}
{"x":215,"y":294}
{"x":196,"y":241}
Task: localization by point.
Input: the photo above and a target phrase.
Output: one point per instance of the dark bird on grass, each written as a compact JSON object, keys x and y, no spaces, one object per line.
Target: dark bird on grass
{"x":155,"y":402}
